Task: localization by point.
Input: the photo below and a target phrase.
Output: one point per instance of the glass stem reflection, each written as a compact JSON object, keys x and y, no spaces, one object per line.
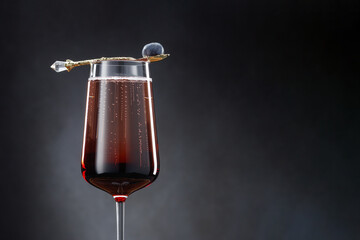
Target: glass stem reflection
{"x":120,"y":220}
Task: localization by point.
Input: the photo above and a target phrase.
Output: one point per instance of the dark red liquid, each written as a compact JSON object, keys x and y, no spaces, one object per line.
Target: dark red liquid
{"x":120,"y":151}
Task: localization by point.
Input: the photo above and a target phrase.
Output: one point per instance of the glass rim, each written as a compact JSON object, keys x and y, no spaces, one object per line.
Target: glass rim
{"x":136,"y":62}
{"x":113,"y":68}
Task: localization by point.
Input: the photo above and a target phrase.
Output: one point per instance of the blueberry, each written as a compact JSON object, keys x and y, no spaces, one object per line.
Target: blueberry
{"x":152,"y":49}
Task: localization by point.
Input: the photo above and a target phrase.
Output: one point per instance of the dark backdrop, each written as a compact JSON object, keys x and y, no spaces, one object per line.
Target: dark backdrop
{"x":257,"y":112}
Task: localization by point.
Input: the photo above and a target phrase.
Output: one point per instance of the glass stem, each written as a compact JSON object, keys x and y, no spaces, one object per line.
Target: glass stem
{"x":120,"y":220}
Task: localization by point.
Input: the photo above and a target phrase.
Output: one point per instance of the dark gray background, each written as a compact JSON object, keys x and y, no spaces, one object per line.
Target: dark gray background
{"x":257,"y":112}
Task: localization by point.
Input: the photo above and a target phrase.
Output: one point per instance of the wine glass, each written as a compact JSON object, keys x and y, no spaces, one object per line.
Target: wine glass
{"x":120,"y":149}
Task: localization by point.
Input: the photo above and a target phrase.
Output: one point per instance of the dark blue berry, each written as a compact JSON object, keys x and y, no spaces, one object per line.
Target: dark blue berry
{"x":152,"y":49}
